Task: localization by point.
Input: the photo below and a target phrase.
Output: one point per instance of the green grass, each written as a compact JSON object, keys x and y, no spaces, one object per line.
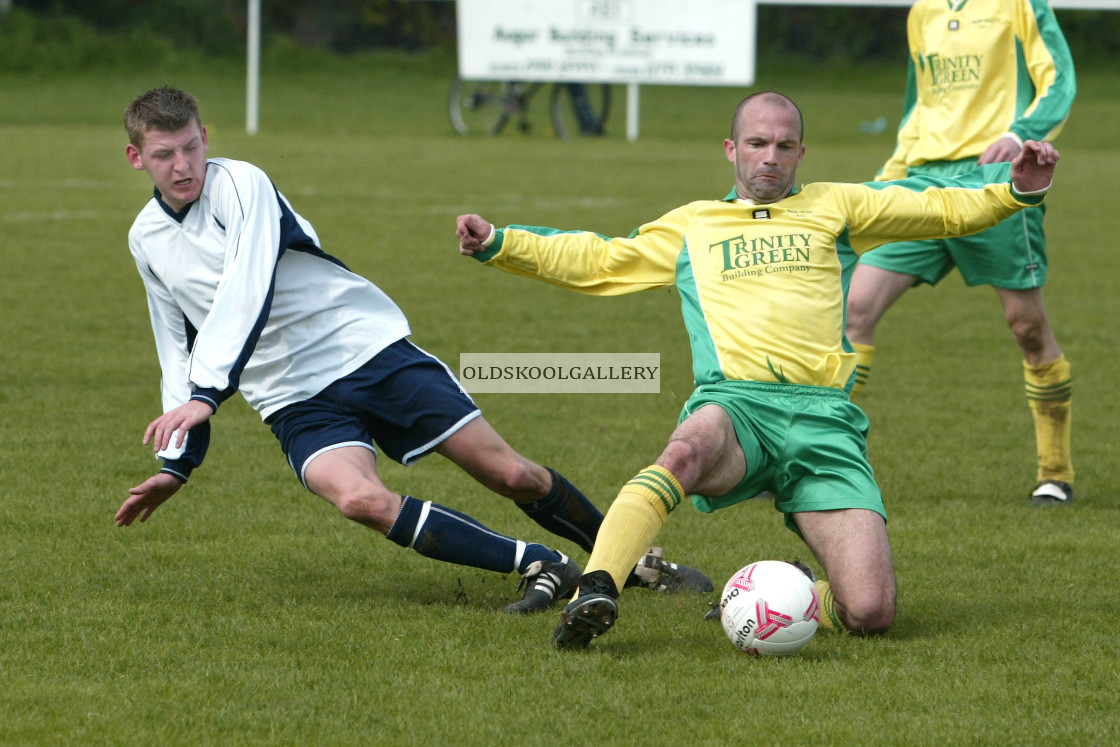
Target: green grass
{"x":247,"y":611}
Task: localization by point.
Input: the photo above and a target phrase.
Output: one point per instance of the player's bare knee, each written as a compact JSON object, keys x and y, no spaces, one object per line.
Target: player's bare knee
{"x":520,"y":480}
{"x":1029,"y":333}
{"x":860,"y":320}
{"x":877,"y":623}
{"x":868,"y":613}
{"x":681,"y":457}
{"x":373,"y":506}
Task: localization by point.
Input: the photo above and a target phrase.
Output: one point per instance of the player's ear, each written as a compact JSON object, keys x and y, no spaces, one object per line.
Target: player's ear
{"x":134,"y":157}
{"x":729,"y":149}
{"x":205,"y":141}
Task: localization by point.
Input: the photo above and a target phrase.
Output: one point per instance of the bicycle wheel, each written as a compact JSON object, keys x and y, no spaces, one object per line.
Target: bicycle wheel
{"x":478,"y":106}
{"x":579,"y":109}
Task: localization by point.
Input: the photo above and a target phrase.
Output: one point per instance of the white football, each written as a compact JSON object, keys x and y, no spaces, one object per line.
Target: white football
{"x":770,"y":608}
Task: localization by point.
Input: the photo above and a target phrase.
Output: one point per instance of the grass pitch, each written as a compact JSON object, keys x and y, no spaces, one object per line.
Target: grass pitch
{"x":247,"y":612}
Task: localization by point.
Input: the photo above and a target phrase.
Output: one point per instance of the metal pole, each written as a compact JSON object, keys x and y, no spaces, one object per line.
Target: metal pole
{"x":253,"y":69}
{"x":632,"y":106}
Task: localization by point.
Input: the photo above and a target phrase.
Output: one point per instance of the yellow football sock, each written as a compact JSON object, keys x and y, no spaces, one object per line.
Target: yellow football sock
{"x":633,"y":521}
{"x":864,"y":355}
{"x":1049,"y":389}
{"x":830,"y":621}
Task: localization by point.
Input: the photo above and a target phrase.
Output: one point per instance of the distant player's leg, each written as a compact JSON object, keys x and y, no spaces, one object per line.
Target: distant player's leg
{"x":852,"y":547}
{"x":702,"y":455}
{"x":1049,"y":390}
{"x":873,"y":290}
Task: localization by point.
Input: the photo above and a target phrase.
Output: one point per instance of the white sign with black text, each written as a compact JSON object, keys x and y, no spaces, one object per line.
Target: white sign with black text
{"x":669,"y":42}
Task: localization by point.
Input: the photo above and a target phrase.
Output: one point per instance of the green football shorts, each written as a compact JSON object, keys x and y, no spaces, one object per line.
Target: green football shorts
{"x":805,"y":444}
{"x":1010,"y":255}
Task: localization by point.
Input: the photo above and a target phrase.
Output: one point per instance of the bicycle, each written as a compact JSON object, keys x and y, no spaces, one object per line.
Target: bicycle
{"x":487,"y":106}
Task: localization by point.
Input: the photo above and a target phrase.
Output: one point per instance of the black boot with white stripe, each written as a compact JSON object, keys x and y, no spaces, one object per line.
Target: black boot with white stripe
{"x":545,"y":582}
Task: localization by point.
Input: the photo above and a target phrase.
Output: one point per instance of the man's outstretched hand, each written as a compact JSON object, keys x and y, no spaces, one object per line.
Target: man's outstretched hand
{"x":170,"y":428}
{"x":472,"y":230}
{"x":1033,"y":169}
{"x":147,"y":497}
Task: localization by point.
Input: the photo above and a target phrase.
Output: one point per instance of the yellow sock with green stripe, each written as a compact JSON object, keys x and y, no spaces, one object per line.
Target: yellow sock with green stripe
{"x":864,"y":355}
{"x":633,"y":521}
{"x":830,"y":621}
{"x":1049,"y":389}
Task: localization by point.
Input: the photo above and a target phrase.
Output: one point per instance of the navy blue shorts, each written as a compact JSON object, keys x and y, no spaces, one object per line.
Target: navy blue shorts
{"x":403,"y":400}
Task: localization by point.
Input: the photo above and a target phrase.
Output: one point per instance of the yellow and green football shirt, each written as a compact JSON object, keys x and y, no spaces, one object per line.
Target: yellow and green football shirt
{"x":980,"y":70}
{"x":762,"y":287}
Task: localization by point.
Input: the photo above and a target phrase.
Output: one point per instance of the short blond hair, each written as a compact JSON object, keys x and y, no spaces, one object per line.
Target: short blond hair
{"x":165,"y":108}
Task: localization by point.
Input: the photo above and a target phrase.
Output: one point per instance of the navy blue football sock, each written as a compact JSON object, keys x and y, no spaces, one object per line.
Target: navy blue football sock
{"x":566,"y":512}
{"x":443,"y":533}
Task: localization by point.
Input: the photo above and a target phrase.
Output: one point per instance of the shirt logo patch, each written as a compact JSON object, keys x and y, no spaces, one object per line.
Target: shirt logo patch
{"x":954,"y":25}
{"x":758,"y":256}
{"x":762,"y":214}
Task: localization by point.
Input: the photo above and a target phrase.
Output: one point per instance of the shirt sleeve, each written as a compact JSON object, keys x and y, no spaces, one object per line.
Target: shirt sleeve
{"x":173,"y":336}
{"x":247,"y":207}
{"x":908,"y":130}
{"x":1050,"y":67}
{"x":589,"y":262}
{"x":925,"y":207}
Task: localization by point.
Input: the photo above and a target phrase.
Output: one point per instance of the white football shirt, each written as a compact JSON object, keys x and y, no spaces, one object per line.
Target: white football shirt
{"x":243,"y":298}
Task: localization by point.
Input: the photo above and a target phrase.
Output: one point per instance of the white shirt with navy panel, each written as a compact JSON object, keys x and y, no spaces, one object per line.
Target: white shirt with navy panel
{"x":242,"y":297}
